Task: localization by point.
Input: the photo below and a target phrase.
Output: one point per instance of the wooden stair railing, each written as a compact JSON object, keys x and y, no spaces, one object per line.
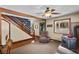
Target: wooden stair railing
{"x":20,"y":24}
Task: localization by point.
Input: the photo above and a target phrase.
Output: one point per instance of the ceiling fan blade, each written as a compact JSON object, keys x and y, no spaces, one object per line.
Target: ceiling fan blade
{"x":55,"y":13}
{"x":52,"y":10}
{"x":47,"y":9}
{"x":38,"y":13}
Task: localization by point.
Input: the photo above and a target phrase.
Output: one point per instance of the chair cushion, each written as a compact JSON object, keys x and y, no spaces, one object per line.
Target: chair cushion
{"x":44,"y":39}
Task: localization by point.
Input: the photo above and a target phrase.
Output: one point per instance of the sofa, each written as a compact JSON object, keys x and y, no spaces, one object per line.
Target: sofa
{"x":63,"y":50}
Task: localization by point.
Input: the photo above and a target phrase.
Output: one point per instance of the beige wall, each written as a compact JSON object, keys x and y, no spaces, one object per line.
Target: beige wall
{"x":36,"y":27}
{"x":5,"y":31}
{"x":74,"y":18}
{"x":16,"y":33}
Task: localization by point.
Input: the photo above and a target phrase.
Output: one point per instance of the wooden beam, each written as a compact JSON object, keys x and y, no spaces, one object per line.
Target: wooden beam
{"x":18,"y":13}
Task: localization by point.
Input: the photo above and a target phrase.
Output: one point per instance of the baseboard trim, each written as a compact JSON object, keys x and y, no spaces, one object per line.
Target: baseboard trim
{"x":55,"y":40}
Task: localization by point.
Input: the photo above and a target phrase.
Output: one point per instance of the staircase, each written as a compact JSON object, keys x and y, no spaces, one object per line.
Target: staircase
{"x":20,"y":23}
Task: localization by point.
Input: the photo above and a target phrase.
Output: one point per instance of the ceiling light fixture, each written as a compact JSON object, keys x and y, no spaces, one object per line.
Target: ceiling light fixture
{"x":47,"y":14}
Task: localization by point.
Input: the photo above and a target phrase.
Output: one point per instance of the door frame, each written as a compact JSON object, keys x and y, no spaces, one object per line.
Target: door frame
{"x":42,"y":21}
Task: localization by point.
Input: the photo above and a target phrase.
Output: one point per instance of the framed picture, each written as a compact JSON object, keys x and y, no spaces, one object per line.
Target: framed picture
{"x":62,"y":26}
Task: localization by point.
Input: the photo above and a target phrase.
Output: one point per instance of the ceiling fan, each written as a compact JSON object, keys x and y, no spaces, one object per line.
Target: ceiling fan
{"x":49,"y":12}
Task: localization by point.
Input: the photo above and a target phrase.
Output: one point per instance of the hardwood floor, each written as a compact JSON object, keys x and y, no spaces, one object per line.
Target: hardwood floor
{"x":18,"y":44}
{"x":31,"y":47}
{"x":22,"y":43}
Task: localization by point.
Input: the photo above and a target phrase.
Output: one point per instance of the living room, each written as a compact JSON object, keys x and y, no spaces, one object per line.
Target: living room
{"x":57,"y":20}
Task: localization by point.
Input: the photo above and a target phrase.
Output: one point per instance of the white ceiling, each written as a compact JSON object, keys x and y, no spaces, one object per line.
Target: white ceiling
{"x":35,"y":9}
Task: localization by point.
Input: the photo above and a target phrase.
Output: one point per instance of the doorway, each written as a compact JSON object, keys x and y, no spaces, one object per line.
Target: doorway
{"x":42,"y":26}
